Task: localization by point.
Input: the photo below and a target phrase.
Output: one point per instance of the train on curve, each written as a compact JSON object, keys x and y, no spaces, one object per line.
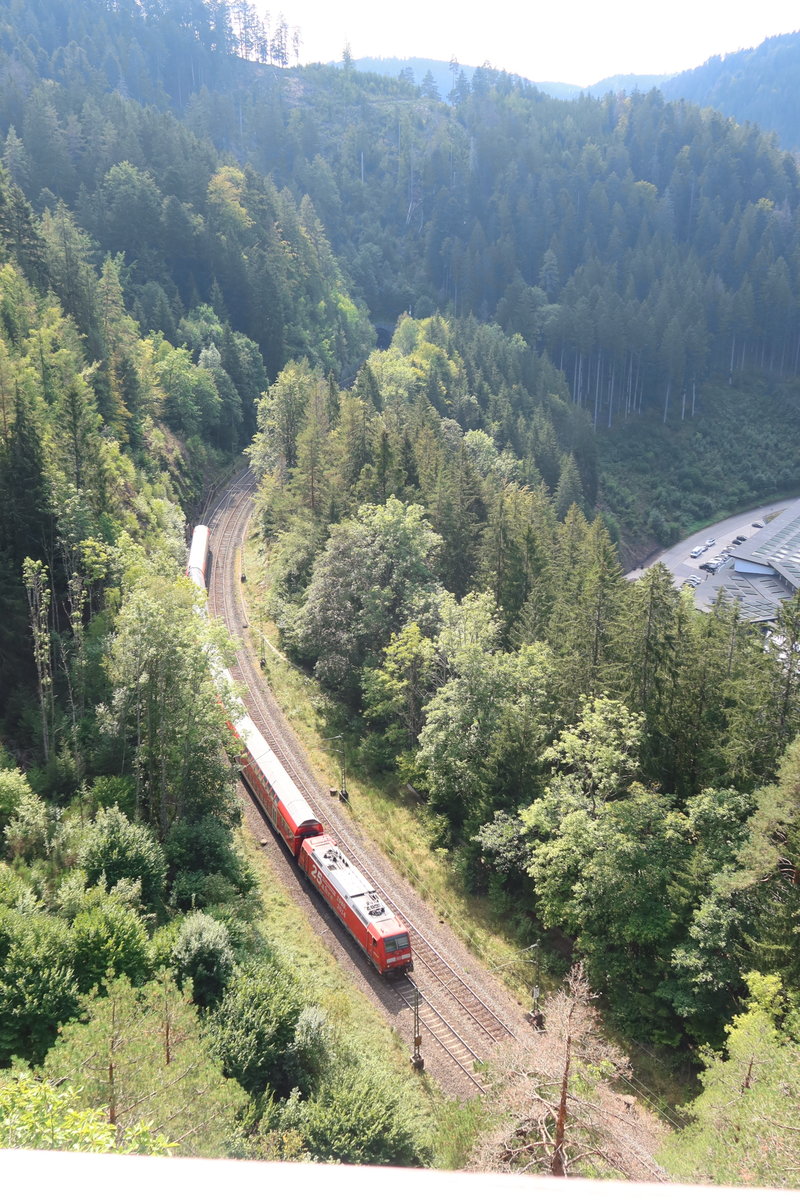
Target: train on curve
{"x":383,"y":938}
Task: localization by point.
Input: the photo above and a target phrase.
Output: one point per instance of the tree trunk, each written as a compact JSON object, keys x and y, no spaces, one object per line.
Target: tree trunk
{"x":558,"y":1164}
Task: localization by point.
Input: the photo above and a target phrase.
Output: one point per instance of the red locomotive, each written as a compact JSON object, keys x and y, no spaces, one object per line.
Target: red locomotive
{"x":372,"y":923}
{"x":368,"y":918}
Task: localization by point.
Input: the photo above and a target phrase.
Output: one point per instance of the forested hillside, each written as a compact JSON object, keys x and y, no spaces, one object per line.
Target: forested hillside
{"x":467,"y":346}
{"x":758,"y":85}
{"x":642,"y":246}
{"x":482,"y":629}
{"x":144,"y":309}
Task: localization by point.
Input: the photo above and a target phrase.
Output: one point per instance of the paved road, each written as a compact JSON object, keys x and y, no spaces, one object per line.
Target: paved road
{"x":678,"y":558}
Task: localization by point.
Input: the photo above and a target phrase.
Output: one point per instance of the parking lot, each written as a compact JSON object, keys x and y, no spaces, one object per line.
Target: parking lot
{"x":712,"y":543}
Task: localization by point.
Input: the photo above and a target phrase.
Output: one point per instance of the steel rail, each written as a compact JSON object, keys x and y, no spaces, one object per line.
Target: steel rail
{"x":405,"y":989}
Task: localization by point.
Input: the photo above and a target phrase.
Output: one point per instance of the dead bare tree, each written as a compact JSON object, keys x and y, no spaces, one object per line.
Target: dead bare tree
{"x":558,"y":1103}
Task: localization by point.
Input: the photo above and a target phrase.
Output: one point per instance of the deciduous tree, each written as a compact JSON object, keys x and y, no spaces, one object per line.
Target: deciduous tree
{"x":374,"y":576}
{"x":166,"y":703}
{"x":36,"y":1114}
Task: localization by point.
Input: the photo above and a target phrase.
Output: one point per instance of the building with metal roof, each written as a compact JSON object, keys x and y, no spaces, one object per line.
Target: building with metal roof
{"x":765,"y":570}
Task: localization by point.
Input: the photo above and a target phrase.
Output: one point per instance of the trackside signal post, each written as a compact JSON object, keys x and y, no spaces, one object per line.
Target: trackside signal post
{"x":338,"y":737}
{"x":536,"y":1016}
{"x":417,"y":1061}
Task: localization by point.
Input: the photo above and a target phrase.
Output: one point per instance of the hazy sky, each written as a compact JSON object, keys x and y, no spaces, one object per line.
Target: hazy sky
{"x":570,"y":41}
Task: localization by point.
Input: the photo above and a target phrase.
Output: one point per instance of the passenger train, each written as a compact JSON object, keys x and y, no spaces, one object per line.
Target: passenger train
{"x":197,"y":566}
{"x":383,"y":938}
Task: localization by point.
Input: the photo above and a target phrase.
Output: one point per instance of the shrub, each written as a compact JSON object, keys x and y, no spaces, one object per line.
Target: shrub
{"x":204,"y":955}
{"x":254,"y":1031}
{"x":115,"y":848}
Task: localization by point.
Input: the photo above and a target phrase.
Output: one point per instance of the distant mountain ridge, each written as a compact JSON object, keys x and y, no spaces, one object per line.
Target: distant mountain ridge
{"x":444,"y":76}
{"x":760,"y":85}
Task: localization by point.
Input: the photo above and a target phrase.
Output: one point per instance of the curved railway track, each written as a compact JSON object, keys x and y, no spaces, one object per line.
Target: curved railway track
{"x":462,"y":1023}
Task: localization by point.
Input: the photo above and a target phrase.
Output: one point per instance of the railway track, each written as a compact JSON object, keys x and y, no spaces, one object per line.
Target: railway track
{"x":462,"y":1023}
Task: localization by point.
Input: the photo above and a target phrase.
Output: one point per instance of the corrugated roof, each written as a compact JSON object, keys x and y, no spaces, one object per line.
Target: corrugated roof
{"x":776,"y":548}
{"x":777,"y":545}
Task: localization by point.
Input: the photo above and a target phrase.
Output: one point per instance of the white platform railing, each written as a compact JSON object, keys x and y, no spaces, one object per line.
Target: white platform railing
{"x":31,"y":1175}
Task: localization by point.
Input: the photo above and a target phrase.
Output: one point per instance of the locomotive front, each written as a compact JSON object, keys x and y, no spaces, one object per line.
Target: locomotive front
{"x":391,"y":948}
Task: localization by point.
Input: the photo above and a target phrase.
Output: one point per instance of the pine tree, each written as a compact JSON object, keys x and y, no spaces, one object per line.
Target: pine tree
{"x":139,"y":1055}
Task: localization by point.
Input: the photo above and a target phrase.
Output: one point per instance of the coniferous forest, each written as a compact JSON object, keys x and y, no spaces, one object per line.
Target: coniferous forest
{"x":484,"y":352}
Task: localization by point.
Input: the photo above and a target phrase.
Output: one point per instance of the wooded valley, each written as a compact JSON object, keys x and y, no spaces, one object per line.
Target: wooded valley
{"x":483,"y":354}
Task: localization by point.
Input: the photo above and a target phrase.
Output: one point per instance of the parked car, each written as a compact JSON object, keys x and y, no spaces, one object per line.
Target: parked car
{"x":698,"y":550}
{"x":694,"y":581}
{"x":758,"y":524}
{"x":711,"y":542}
